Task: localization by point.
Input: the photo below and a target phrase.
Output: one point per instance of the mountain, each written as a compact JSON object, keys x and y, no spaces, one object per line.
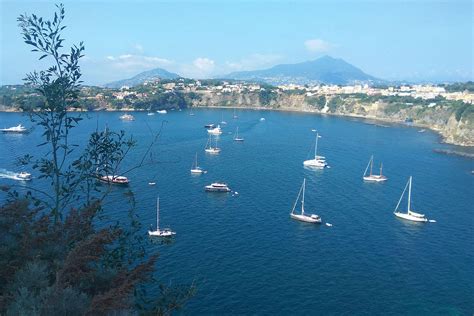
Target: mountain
{"x":157,"y":73}
{"x":326,"y":70}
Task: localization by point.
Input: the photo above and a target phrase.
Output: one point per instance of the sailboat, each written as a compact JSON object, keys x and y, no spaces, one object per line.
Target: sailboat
{"x":409,"y":215}
{"x":235,"y":115}
{"x":373,"y":177}
{"x":195,"y":169}
{"x":313,"y":218}
{"x":166,"y":232}
{"x":222,"y":120}
{"x":318,"y":161}
{"x":211,"y":150}
{"x":237,"y":138}
{"x":191,"y":113}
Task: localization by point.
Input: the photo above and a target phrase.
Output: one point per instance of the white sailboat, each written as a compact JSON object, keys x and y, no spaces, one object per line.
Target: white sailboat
{"x":318,"y":161}
{"x":235,"y":115}
{"x":373,"y":177}
{"x":195,"y":169}
{"x":313,"y":218}
{"x":409,"y":215}
{"x":166,"y":232}
{"x":211,"y":150}
{"x":237,"y":138}
{"x":222,"y":120}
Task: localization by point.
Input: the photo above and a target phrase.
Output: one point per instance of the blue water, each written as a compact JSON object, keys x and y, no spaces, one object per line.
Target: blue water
{"x":245,"y":253}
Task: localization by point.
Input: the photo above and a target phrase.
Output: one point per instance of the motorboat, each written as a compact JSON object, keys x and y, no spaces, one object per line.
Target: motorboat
{"x":209,"y":125}
{"x":114,"y":179}
{"x":217,"y":187}
{"x":215,"y":131}
{"x":19,"y":129}
{"x":127,"y":117}
{"x":25,"y":176}
{"x":161,"y":111}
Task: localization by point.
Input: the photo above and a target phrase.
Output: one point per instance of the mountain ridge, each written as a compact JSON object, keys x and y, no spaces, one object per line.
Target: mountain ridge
{"x":149,"y":75}
{"x":325,"y":69}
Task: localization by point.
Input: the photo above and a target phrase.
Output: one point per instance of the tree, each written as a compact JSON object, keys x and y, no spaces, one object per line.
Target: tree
{"x":54,"y":258}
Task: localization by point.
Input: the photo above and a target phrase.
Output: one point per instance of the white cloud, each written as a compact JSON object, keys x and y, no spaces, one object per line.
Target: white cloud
{"x":317,"y":45}
{"x":135,"y":63}
{"x":204,"y":64}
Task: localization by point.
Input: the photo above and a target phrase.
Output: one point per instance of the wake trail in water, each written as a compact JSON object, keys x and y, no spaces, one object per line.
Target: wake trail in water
{"x":5,"y":174}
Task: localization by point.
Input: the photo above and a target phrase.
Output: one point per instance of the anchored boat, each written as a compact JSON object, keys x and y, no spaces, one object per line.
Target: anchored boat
{"x":313,"y":218}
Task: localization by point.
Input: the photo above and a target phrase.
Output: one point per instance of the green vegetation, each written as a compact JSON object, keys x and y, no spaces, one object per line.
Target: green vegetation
{"x":460,"y":87}
{"x":59,"y":255}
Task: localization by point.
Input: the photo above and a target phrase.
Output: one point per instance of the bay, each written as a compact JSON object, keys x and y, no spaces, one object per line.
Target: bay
{"x":245,"y":253}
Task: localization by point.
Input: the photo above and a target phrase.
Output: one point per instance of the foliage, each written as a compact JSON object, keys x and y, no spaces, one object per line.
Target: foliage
{"x":460,"y":87}
{"x":267,"y":96}
{"x":57,"y":256}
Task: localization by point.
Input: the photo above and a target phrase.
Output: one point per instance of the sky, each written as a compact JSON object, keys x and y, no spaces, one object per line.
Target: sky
{"x":412,"y":40}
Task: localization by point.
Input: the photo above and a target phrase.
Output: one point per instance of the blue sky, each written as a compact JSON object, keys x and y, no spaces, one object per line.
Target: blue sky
{"x":396,"y":40}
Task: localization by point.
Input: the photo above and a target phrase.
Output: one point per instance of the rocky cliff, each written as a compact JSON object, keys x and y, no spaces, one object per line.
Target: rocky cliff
{"x":454,"y":127}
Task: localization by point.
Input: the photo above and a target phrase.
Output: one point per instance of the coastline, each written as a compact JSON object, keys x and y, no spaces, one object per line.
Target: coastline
{"x":363,"y":119}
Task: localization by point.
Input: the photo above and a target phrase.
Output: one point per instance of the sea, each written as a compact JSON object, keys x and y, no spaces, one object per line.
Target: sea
{"x":241,"y":249}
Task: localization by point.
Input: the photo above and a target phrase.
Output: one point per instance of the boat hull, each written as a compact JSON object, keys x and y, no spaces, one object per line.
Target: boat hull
{"x":411,"y":217}
{"x":315,"y":163}
{"x":375,"y":178}
{"x":161,"y":233}
{"x":306,"y":218}
{"x":197,"y":171}
{"x":214,"y":151}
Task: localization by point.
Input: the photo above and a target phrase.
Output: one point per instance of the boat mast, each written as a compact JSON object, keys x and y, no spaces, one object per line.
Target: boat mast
{"x":196,"y":161}
{"x":371,"y":164}
{"x":158,"y":213}
{"x":302,"y":200}
{"x":316,"y":146}
{"x":409,"y":194}
{"x":381,"y":165}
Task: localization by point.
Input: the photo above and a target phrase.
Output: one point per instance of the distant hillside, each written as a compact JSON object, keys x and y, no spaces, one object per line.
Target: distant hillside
{"x":326,"y":70}
{"x":154,"y":74}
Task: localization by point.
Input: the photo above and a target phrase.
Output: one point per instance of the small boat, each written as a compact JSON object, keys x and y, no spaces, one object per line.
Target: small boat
{"x":150,"y":114}
{"x":222,"y":120}
{"x":318,"y":161}
{"x":19,"y":129}
{"x":211,"y":150}
{"x":217,"y":187}
{"x":151,"y":183}
{"x":373,"y":177}
{"x":262,"y":119}
{"x":237,"y":138}
{"x":161,"y":111}
{"x":114,"y":179}
{"x":409,"y":215}
{"x":25,"y":176}
{"x":235,"y":115}
{"x":191,"y":113}
{"x":215,"y":131}
{"x":313,"y":218}
{"x":127,"y":117}
{"x":195,"y":169}
{"x":422,"y":131}
{"x":166,"y":232}
{"x":209,"y":126}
